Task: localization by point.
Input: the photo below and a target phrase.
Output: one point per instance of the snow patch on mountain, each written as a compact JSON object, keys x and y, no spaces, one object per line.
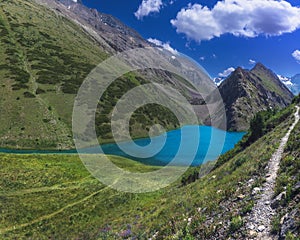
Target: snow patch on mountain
{"x":286,"y":80}
{"x":291,"y":83}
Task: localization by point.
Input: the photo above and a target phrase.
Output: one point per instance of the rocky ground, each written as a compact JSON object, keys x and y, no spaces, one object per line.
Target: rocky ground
{"x":258,"y":222}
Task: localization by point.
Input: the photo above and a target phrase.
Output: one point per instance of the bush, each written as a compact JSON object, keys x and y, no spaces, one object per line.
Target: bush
{"x":39,"y":91}
{"x":29,"y":95}
{"x":18,"y":86}
{"x":236,"y":223}
{"x":247,"y":208}
{"x":275,"y":225}
{"x":296,"y":99}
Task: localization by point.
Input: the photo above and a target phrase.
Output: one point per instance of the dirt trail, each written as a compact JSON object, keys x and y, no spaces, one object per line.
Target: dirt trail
{"x":53,"y":214}
{"x":259,"y":221}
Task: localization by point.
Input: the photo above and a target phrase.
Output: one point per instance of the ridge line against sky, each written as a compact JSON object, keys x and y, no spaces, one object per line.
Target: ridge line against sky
{"x":220,"y":35}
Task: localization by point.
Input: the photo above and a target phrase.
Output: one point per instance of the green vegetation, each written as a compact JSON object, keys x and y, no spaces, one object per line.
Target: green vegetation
{"x":268,"y":80}
{"x":236,"y":223}
{"x":262,"y":123}
{"x":287,"y":180}
{"x":275,"y":225}
{"x":141,"y":120}
{"x":44,"y":58}
{"x":40,"y":54}
{"x":53,"y":196}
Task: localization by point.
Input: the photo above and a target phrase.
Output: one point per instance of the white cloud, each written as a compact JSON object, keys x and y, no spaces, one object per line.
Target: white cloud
{"x":226,"y":72}
{"x":296,"y":55}
{"x":252,"y":62}
{"x":248,"y":18}
{"x":202,"y":58}
{"x":147,"y":7}
{"x":162,"y":44}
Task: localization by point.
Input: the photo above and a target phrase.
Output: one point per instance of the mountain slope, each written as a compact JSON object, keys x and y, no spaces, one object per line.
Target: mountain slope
{"x":43,"y":57}
{"x":54,"y":197}
{"x":110,"y":33}
{"x":295,"y":80}
{"x":286,"y":222}
{"x":248,"y":92}
{"x":293,"y":83}
{"x":260,"y":218}
{"x":47,"y":50}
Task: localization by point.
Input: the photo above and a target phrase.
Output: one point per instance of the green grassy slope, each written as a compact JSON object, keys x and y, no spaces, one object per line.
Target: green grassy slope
{"x":53,"y":196}
{"x":288,"y":182}
{"x":44,"y":58}
{"x":271,"y":81}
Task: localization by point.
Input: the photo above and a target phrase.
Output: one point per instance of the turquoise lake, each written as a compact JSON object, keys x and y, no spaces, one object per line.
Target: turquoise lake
{"x":190,"y":145}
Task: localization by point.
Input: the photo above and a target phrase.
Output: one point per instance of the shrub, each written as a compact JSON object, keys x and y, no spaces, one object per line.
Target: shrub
{"x":39,"y":91}
{"x":275,"y":225}
{"x":247,"y":208}
{"x":236,"y":223}
{"x":29,"y":95}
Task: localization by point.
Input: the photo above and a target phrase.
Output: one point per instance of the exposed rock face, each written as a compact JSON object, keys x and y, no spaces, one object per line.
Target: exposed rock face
{"x":111,"y":34}
{"x":277,"y":201}
{"x":248,"y":92}
{"x":289,"y":223}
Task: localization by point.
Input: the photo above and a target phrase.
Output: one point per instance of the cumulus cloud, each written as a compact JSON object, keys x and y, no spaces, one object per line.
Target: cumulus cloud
{"x":162,"y":44}
{"x":147,"y":7}
{"x":248,"y":18}
{"x":296,"y":55}
{"x":252,"y":62}
{"x":226,"y":72}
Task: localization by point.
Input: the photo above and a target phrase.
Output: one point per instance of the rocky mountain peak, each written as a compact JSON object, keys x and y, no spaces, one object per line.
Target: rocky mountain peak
{"x":260,"y":66}
{"x":246,"y":92}
{"x":238,"y":74}
{"x":70,"y":2}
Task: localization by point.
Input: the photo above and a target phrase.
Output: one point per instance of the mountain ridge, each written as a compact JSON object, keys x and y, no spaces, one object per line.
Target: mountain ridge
{"x":69,"y":41}
{"x":46,"y":53}
{"x":43,"y":59}
{"x":110,"y":31}
{"x":246,"y":92}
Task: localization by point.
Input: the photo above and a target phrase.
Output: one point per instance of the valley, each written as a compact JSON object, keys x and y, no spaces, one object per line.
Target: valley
{"x":54,"y":196}
{"x":243,"y":180}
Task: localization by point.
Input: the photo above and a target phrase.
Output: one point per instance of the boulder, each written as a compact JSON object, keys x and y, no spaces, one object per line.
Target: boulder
{"x":261,"y":228}
{"x":289,"y":223}
{"x":255,"y":190}
{"x":278,"y":200}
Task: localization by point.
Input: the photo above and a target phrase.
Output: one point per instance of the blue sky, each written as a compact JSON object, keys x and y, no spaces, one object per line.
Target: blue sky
{"x":220,"y":35}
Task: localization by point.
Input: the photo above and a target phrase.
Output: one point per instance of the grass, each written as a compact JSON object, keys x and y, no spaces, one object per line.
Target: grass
{"x":37,"y":46}
{"x":53,"y":196}
{"x":44,"y":58}
{"x":287,"y":179}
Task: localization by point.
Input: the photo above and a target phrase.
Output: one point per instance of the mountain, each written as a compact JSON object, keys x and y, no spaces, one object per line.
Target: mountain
{"x":47,"y":48}
{"x":219,"y":80}
{"x":247,"y":92}
{"x":293,"y":83}
{"x":108,"y":31}
{"x":296,"y":84}
{"x":52,"y":45}
{"x":296,"y":79}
